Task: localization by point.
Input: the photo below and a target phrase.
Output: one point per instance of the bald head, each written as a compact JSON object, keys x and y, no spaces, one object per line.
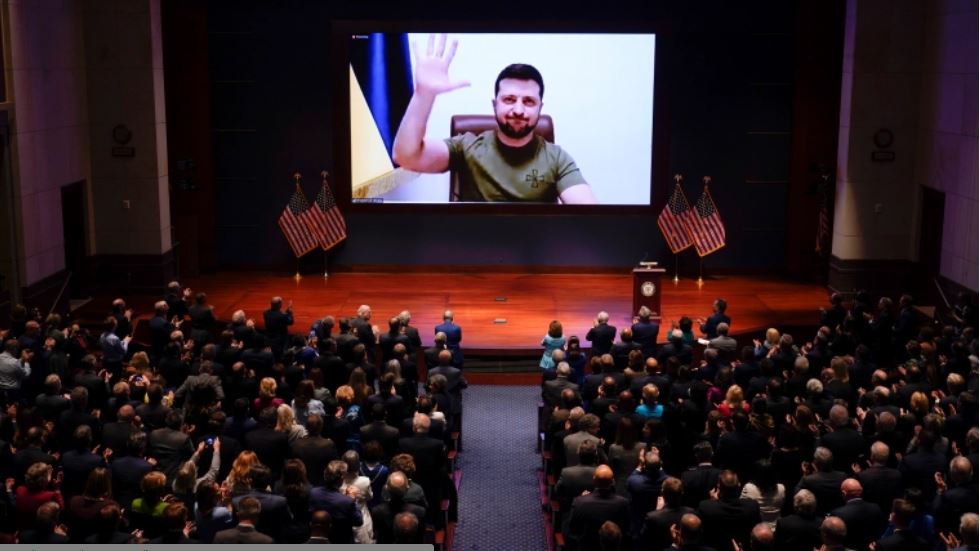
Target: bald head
{"x":762,"y":537}
{"x":689,"y":529}
{"x":960,"y":470}
{"x":603,"y":477}
{"x":833,"y":531}
{"x":879,"y":453}
{"x":851,"y":489}
{"x":126,"y":414}
{"x":445,"y":357}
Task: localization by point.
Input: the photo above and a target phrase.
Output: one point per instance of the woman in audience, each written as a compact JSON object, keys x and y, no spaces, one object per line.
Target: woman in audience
{"x":186,"y":481}
{"x":359,"y":384}
{"x":304,"y":402}
{"x":38,"y":489}
{"x":285,"y":422}
{"x":239,"y":480}
{"x":351,"y":413}
{"x":267,"y":395}
{"x":686,"y":325}
{"x":624,"y":453}
{"x":763,"y":347}
{"x":365,"y":532}
{"x":552,"y":341}
{"x":764,"y":489}
{"x":650,"y":408}
{"x":724,"y":380}
{"x":153,"y":489}
{"x":83,"y":510}
{"x":295,"y":487}
{"x":374,"y":470}
{"x":576,"y":360}
{"x":734,"y":401}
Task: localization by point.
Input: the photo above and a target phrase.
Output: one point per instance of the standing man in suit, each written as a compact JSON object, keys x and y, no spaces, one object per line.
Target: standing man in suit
{"x":601,"y":335}
{"x":454,"y":334}
{"x":591,"y":511}
{"x":177,"y":300}
{"x":864,"y":520}
{"x":366,"y":333}
{"x":124,"y":318}
{"x":645,"y":332}
{"x":345,"y":515}
{"x":725,"y":345}
{"x":171,"y":446}
{"x":277,"y":325}
{"x":160,"y":329}
{"x":801,"y":530}
{"x":405,"y":317}
{"x":882,"y":484}
{"x":202,"y":319}
{"x":709,"y":327}
{"x":249,"y":509}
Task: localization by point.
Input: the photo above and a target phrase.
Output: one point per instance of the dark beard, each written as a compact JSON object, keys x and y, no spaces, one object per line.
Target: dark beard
{"x":514,"y":133}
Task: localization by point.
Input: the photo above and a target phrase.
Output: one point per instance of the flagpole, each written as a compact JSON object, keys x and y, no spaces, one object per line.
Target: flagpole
{"x":326,"y":253}
{"x":676,"y":277}
{"x":297,"y":176}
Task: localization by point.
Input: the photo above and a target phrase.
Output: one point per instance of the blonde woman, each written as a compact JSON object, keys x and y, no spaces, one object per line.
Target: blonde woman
{"x":267,"y":395}
{"x":762,"y":348}
{"x":186,"y":481}
{"x":286,"y":422}
{"x":734,"y":401}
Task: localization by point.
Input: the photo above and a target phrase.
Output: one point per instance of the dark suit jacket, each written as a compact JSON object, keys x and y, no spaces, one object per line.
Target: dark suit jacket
{"x":76,"y":466}
{"x":902,"y":540}
{"x":621,"y":353}
{"x":796,"y":533}
{"x":881,"y":485}
{"x":384,"y":434}
{"x":388,"y":342}
{"x":571,"y":483}
{"x":601,"y":336}
{"x":683,"y":352}
{"x":383,"y":519}
{"x":160,"y":329}
{"x":710,"y":325}
{"x":455,"y":383}
{"x":656,"y":526}
{"x":315,"y":452}
{"x":242,"y":534}
{"x":430,"y":464}
{"x":847,"y":445}
{"x":826,"y":488}
{"x":271,"y":446}
{"x":344,"y":513}
{"x":116,"y":435}
{"x":170,"y":448}
{"x":551,"y":391}
{"x":590,"y":512}
{"x":275,"y":515}
{"x":645,"y":335}
{"x":698,"y":483}
{"x":864,"y":520}
{"x":277,"y":324}
{"x":918,"y":469}
{"x":724,"y":521}
{"x":127,"y":472}
{"x":454,"y":335}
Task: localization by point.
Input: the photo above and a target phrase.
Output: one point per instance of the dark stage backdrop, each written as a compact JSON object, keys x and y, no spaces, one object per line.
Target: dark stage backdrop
{"x":729,"y":73}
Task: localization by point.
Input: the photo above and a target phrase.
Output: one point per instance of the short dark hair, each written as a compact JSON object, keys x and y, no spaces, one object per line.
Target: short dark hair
{"x":519,"y":71}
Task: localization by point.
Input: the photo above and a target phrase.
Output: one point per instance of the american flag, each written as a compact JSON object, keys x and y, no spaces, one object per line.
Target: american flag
{"x":295,"y":224}
{"x":326,"y":220}
{"x":671,"y":221}
{"x":704,"y":223}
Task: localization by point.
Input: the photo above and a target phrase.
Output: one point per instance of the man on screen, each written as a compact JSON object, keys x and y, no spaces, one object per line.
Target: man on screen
{"x":510,"y":163}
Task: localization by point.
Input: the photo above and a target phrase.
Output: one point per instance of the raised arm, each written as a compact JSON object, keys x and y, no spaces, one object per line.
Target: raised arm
{"x":410,"y":149}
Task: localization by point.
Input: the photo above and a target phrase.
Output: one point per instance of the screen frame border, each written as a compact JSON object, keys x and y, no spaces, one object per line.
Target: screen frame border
{"x":342,"y":29}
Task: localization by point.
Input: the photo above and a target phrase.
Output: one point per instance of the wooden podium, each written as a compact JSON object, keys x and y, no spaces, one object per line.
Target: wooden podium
{"x":647,"y":289}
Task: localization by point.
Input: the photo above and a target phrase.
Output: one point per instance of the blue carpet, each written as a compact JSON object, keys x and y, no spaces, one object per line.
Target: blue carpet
{"x":499,"y":504}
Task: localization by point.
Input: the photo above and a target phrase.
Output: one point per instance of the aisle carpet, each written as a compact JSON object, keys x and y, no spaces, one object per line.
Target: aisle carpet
{"x":499,"y":505}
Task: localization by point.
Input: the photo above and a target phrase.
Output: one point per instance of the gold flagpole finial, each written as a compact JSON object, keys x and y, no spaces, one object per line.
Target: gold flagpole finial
{"x":678,"y":178}
{"x":324,"y":174}
{"x":706,"y":180}
{"x":297,"y":176}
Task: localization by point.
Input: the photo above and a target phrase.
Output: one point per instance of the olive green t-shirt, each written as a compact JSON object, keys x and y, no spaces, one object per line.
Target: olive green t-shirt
{"x":491,"y":171}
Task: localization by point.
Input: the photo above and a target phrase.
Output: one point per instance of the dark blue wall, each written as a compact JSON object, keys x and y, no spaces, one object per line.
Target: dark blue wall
{"x":727,"y":75}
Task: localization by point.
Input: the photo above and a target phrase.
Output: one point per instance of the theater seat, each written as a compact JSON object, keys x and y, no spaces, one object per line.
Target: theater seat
{"x":477,"y":124}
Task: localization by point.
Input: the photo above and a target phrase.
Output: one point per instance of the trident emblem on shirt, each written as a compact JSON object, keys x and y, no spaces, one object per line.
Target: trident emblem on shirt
{"x":532,"y":178}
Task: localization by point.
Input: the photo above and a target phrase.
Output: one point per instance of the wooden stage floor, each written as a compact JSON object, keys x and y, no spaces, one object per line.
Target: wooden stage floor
{"x":531,"y":301}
